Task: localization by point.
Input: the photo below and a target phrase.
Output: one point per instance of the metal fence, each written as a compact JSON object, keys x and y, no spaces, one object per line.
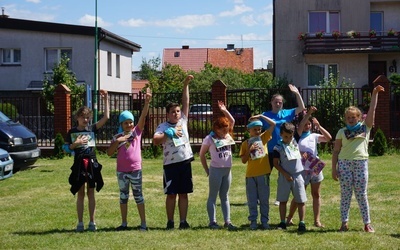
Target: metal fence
{"x":31,"y":111}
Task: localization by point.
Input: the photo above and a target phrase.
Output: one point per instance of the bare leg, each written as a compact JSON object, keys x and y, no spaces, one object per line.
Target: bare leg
{"x":92,"y":203}
{"x":316,"y":195}
{"x":292,"y":210}
{"x":183,"y":204}
{"x":282,"y":210}
{"x":302,"y":211}
{"x":142,"y":214}
{"x":80,"y":203}
{"x":170,"y":206}
{"x":124,"y":212}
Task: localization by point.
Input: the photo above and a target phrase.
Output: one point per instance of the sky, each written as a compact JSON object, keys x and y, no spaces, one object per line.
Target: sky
{"x":159,"y":24}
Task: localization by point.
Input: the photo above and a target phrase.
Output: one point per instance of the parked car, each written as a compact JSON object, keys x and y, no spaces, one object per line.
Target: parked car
{"x":6,"y":165}
{"x":200,"y":112}
{"x":19,"y":142}
{"x":241,"y":113}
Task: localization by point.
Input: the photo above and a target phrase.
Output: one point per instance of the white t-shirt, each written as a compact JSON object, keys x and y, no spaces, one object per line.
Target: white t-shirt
{"x":221,"y":157}
{"x":309,"y":144}
{"x":172,"y":153}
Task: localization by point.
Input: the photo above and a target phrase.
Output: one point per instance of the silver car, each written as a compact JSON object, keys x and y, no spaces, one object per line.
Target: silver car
{"x":6,"y":165}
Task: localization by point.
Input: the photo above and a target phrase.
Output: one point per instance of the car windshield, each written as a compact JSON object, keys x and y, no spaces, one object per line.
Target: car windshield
{"x":200,"y":109}
{"x":3,"y":117}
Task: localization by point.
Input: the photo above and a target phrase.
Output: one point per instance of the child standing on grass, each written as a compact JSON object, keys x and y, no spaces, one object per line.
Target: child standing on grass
{"x":287,"y":160}
{"x":218,"y":143}
{"x":350,"y":161}
{"x":254,"y":152}
{"x":86,"y":169}
{"x":178,"y":155}
{"x":308,"y":145}
{"x":129,"y":162}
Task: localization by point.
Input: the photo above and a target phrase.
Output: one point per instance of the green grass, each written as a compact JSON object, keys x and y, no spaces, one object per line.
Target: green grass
{"x":38,"y":212}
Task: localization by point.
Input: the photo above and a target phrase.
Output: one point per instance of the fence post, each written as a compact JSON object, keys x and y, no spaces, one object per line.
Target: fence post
{"x":382,"y":112}
{"x":62,"y":110}
{"x":218,"y":93}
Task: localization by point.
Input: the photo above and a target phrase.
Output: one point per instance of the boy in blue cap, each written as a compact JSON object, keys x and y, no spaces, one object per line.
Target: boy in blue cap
{"x":254,"y":152}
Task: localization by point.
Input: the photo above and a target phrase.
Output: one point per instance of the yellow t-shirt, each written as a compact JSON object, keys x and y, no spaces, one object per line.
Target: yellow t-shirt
{"x":354,"y":145}
{"x":259,"y":166}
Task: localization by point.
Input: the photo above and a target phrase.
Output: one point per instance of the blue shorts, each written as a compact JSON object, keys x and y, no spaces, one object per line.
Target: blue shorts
{"x":177,"y":178}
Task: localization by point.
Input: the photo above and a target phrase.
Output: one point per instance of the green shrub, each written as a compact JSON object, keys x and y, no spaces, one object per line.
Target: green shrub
{"x":152,"y":152}
{"x":9,"y":110}
{"x":379,"y":145}
{"x":58,"y":143}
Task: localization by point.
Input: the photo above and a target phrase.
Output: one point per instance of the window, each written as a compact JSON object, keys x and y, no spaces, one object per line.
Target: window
{"x":318,"y":73}
{"x":327,"y":21}
{"x":109,"y":65}
{"x":177,"y":54}
{"x":54,"y":55}
{"x":11,"y":56}
{"x":376,"y":22}
{"x":117,"y":66}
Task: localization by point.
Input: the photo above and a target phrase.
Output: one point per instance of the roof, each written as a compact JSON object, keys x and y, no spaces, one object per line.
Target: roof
{"x":187,"y":59}
{"x":20,"y":24}
{"x":195,"y":58}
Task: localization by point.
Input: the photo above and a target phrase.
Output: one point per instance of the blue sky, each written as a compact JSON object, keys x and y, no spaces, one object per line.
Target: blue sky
{"x":159,"y":24}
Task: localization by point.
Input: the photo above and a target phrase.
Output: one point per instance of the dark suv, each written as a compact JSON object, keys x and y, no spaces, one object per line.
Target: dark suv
{"x":19,"y":142}
{"x":241,"y":113}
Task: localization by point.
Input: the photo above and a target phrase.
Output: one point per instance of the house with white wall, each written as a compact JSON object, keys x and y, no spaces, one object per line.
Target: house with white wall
{"x":346,"y":47}
{"x":30,"y":49}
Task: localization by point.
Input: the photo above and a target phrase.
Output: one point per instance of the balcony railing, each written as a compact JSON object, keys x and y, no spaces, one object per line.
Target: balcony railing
{"x":361,"y":44}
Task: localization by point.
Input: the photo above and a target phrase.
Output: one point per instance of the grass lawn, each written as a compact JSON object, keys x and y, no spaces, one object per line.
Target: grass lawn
{"x":38,"y":212}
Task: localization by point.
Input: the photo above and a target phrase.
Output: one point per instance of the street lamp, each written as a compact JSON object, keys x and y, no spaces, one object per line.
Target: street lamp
{"x":96,"y":45}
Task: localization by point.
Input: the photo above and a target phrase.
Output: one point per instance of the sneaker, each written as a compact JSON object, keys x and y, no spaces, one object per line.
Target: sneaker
{"x":170,"y":225}
{"x":143,"y":228}
{"x":282,"y":226}
{"x":121,"y":228}
{"x":214,"y":225}
{"x":369,"y":229}
{"x":253,"y":225}
{"x":92,"y":226}
{"x":266,"y":226}
{"x":276,"y":203}
{"x":230,"y":226}
{"x":184,"y":225}
{"x":80,"y":228}
{"x":301,"y":228}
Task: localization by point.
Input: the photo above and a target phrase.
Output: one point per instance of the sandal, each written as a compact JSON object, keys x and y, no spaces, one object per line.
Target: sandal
{"x":344,"y":228}
{"x":319,"y":224}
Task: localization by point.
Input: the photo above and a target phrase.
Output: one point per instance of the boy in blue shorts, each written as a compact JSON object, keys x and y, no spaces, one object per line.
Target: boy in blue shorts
{"x":178,"y":155}
{"x":287,"y":160}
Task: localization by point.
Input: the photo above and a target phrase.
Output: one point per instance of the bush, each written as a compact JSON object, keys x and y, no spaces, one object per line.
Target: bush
{"x":58,"y":143}
{"x":379,"y":145}
{"x":152,"y":152}
{"x":9,"y":110}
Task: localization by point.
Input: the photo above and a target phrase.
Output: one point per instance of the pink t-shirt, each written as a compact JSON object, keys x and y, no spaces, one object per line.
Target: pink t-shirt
{"x":220,"y":158}
{"x":129,"y":156}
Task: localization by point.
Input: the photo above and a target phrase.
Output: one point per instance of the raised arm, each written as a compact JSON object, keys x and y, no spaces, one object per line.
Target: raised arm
{"x":369,"y":120}
{"x":303,"y":121}
{"x":185,"y":95}
{"x":106,"y":116}
{"x":271,"y":122}
{"x":227,"y":114}
{"x":326,"y":136}
{"x":142,"y":118}
{"x":299,"y":99}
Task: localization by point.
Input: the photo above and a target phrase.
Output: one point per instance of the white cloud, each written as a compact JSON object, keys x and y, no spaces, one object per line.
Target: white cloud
{"x":33,"y":1}
{"x":133,"y":23}
{"x":237,"y":10}
{"x":14,"y":12}
{"x":248,"y":20}
{"x":182,"y":22}
{"x":89,"y":20}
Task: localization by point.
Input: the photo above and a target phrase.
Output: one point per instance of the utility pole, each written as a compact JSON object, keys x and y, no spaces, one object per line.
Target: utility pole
{"x":96,"y":53}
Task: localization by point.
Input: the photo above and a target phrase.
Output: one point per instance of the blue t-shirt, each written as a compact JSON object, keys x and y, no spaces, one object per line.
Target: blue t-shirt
{"x":284,"y":115}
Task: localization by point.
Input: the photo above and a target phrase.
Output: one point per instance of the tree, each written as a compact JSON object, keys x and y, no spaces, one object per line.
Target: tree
{"x":62,"y":75}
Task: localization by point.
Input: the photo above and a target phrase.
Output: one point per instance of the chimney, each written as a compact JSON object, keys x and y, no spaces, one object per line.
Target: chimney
{"x":185,"y":46}
{"x":230,"y":47}
{"x":2,"y":13}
